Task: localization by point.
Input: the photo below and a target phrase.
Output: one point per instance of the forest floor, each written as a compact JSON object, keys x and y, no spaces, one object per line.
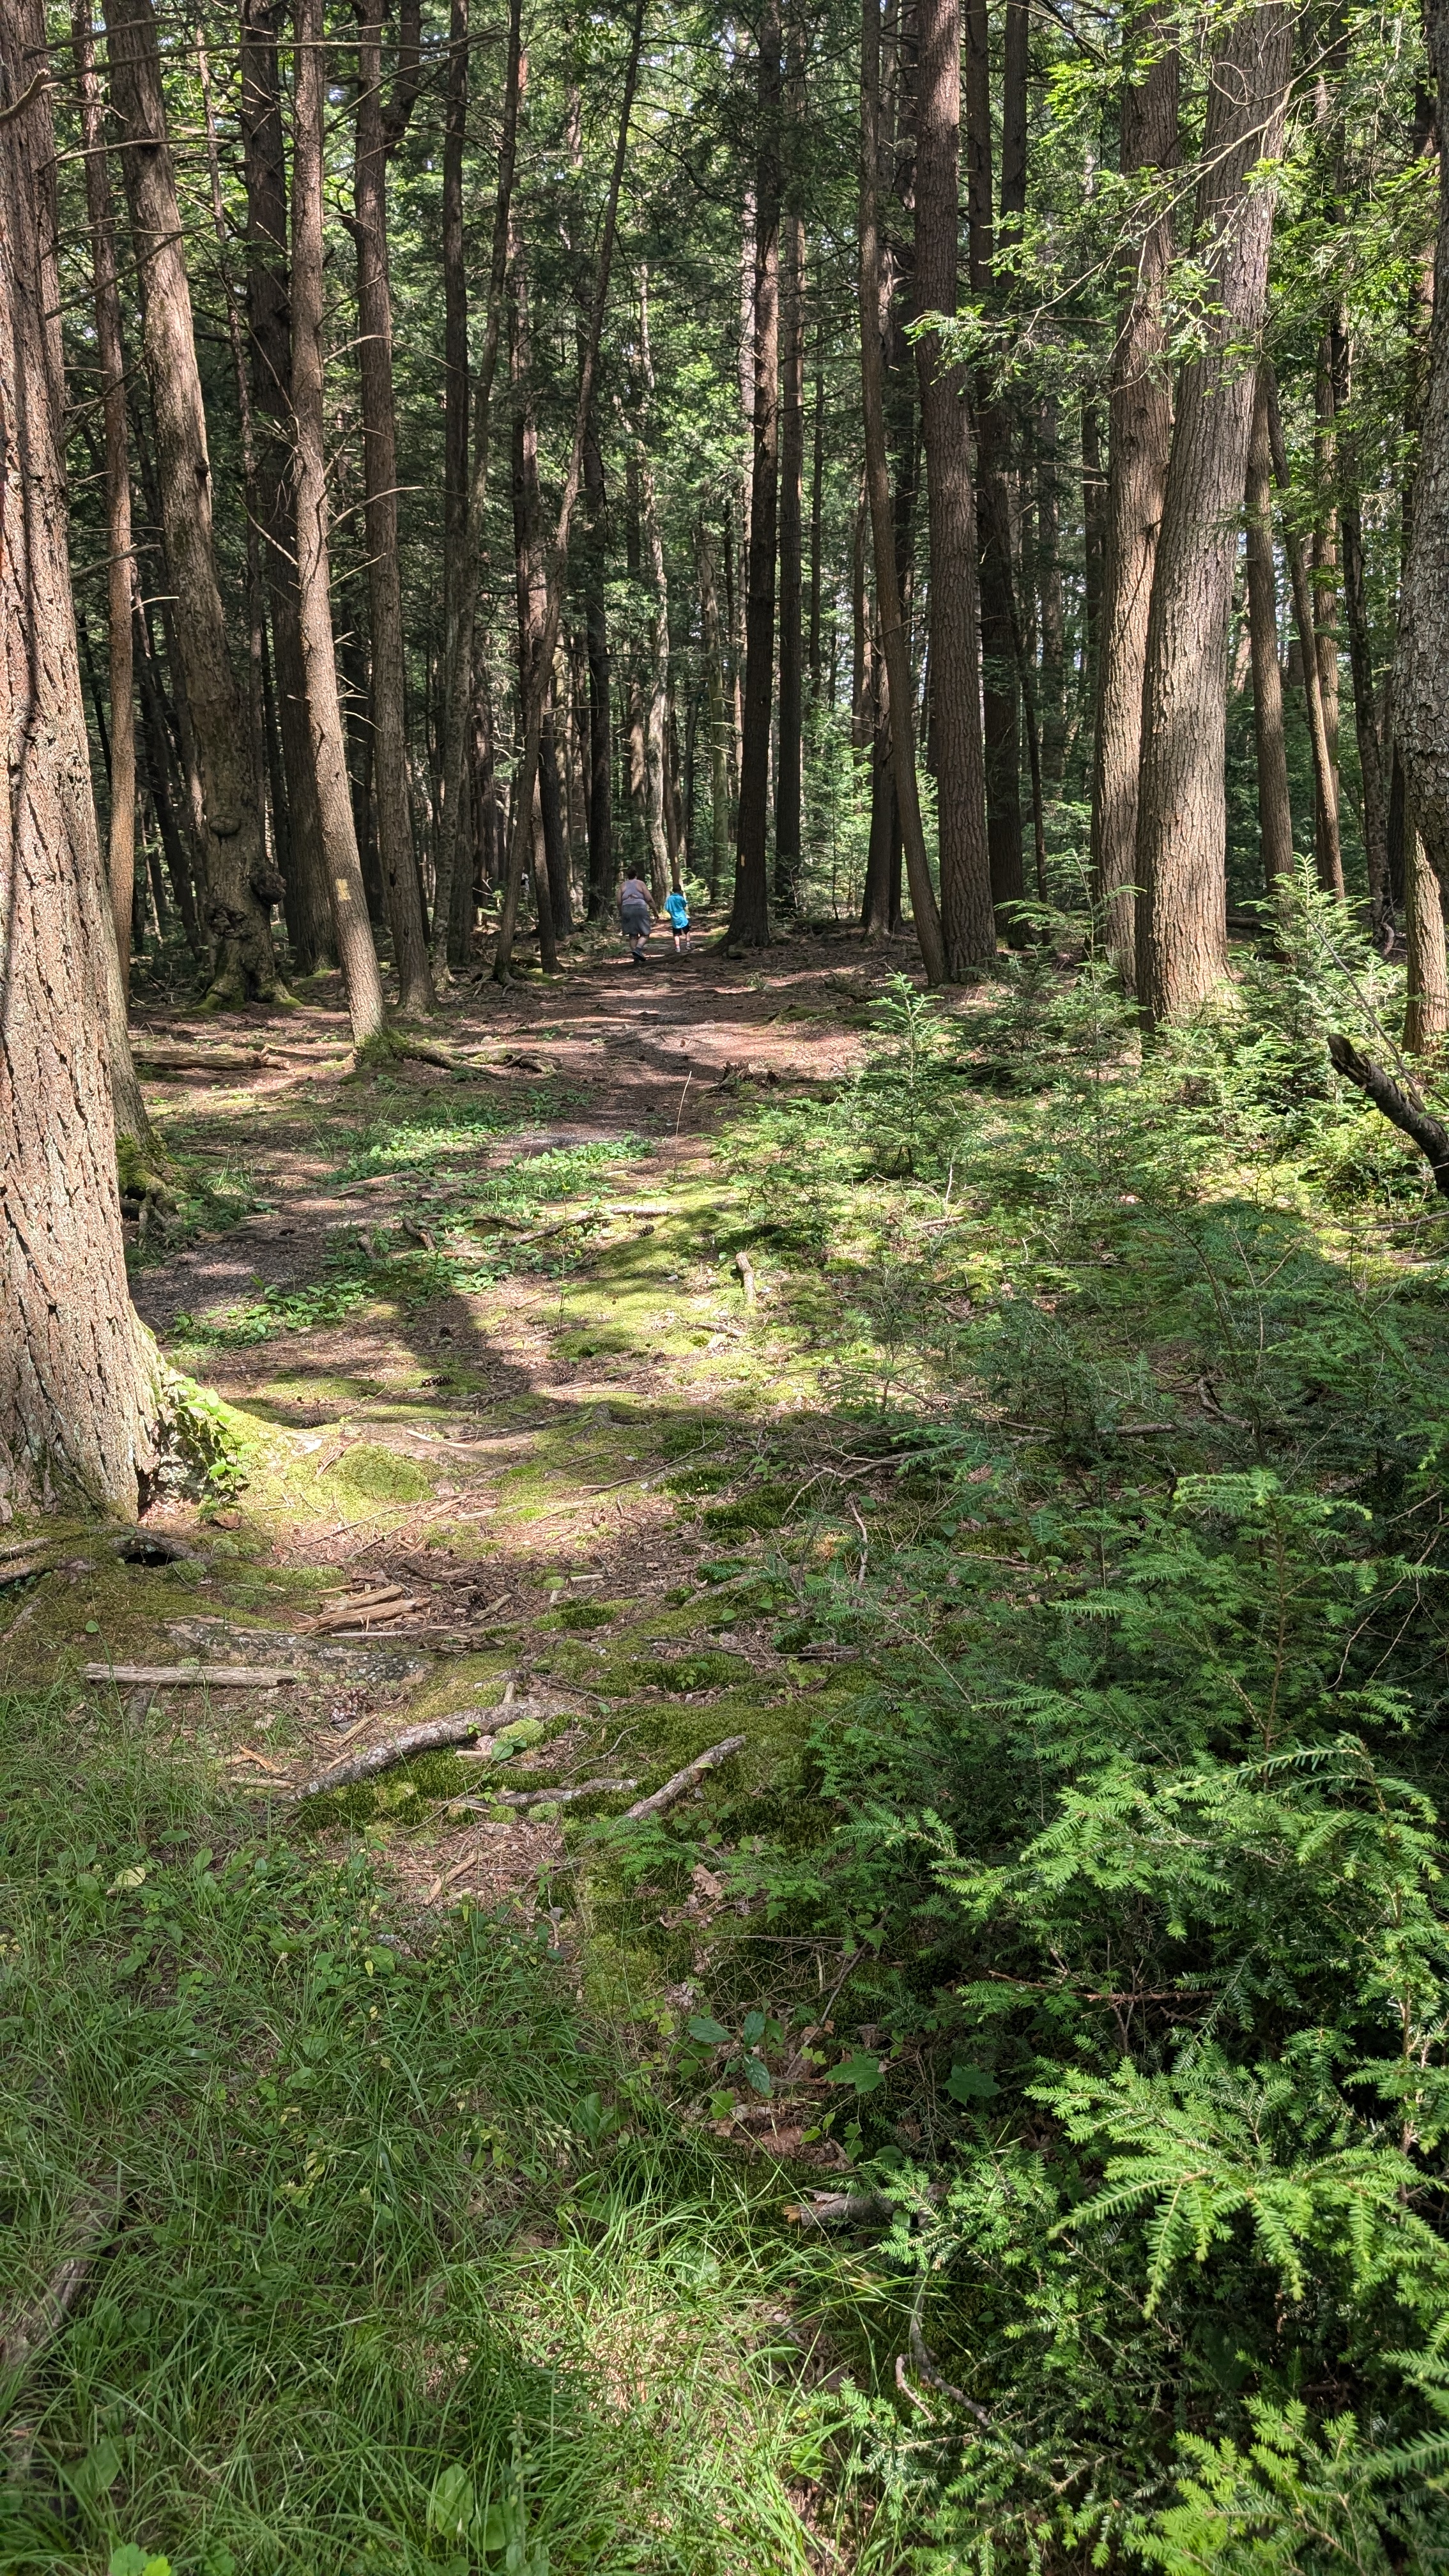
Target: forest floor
{"x":497,"y":1359}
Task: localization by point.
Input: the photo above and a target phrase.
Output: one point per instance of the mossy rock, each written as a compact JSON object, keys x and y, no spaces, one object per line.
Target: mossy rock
{"x":381,"y":1475}
{"x":764,"y":1509}
{"x":583,"y":1614}
{"x":596,"y":1341}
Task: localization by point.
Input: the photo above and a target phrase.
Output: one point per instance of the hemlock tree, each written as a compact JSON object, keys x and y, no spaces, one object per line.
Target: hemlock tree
{"x":79,"y":1376}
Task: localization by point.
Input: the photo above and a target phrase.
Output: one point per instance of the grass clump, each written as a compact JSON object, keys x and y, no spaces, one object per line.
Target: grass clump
{"x":392,"y":2263}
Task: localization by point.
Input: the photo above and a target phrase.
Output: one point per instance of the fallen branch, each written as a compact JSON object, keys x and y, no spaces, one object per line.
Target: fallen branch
{"x":194,"y":1676}
{"x":685,"y":1779}
{"x":153,"y":1057}
{"x":434,"y":1731}
{"x":539,"y":1797}
{"x":1403,"y":1108}
{"x":25,"y":2336}
{"x":840,"y":2209}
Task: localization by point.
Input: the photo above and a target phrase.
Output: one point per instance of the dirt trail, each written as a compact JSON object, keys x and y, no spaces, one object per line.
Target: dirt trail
{"x":483,"y":1336}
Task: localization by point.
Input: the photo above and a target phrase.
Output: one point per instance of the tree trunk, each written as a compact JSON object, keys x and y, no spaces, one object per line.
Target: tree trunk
{"x":378,"y":134}
{"x":1426,"y":1001}
{"x":602,"y":871}
{"x":1182,"y":814}
{"x":460,"y":672}
{"x":968,"y":924}
{"x":993,"y":445}
{"x":1051,"y":606}
{"x":237,"y":913}
{"x":663,"y":854}
{"x":789,"y":766}
{"x":121,"y":841}
{"x":455,"y":442}
{"x":1094,"y":537}
{"x":79,"y":1378}
{"x":1325,"y":615}
{"x":1368,"y":725}
{"x":1139,"y":438}
{"x":1325,"y":765}
{"x":556,"y":561}
{"x":269,"y":329}
{"x":894,"y":648}
{"x":356,"y":954}
{"x":1275,"y":816}
{"x":817,"y":488}
{"x":719,"y":784}
{"x":750,"y":915}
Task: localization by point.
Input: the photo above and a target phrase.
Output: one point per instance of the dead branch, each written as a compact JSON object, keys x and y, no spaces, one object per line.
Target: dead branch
{"x":24,"y":2337}
{"x":154,"y":1056}
{"x":840,"y":2209}
{"x":194,"y":1676}
{"x":1403,"y":1108}
{"x":539,"y":1797}
{"x":434,"y":1731}
{"x":685,"y":1779}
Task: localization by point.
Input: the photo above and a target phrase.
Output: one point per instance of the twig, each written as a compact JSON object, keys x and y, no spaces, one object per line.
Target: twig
{"x":685,"y":1779}
{"x":539,"y":1797}
{"x":458,"y":1729}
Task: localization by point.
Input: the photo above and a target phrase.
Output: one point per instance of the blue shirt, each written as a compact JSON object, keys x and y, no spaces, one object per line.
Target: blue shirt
{"x":677,"y":907}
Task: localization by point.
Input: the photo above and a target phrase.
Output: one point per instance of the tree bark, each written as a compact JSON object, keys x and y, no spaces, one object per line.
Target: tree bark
{"x":1051,"y":604}
{"x":234,"y":847}
{"x":817,"y":489}
{"x":1367,"y":717}
{"x":1275,"y":815}
{"x":1421,"y":682}
{"x":120,"y":575}
{"x":789,"y":763}
{"x":887,"y":585}
{"x":1139,"y":438}
{"x":455,"y":391}
{"x":79,"y":1377}
{"x":1182,"y":818}
{"x":993,"y":444}
{"x":719,"y":783}
{"x":556,"y":561}
{"x":663,"y":850}
{"x":269,"y":329}
{"x":355,"y":952}
{"x":460,"y":672}
{"x":750,"y":915}
{"x":1325,"y":609}
{"x":379,"y":131}
{"x":1426,"y":1000}
{"x":968,"y":922}
{"x":602,"y":871}
{"x":1321,"y":742}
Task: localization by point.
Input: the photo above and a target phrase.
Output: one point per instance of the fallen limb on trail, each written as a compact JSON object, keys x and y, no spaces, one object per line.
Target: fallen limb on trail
{"x":434,"y":1731}
{"x":193,"y":1676}
{"x":90,"y":2225}
{"x":685,"y":1779}
{"x":158,"y":1057}
{"x":539,"y":1797}
{"x":1403,"y":1109}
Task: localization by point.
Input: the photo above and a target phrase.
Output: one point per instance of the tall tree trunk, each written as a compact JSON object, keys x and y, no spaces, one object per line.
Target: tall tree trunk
{"x":120,"y":571}
{"x":79,"y":1378}
{"x":1325,"y":765}
{"x":237,"y":901}
{"x":1094,"y":538}
{"x":455,"y":423}
{"x":530,"y":592}
{"x":460,"y":671}
{"x":355,"y":952}
{"x":817,"y":490}
{"x":1325,"y":609}
{"x":993,"y":445}
{"x":1139,"y":438}
{"x":968,"y":925}
{"x":269,"y":329}
{"x":1367,"y":717}
{"x":1426,"y":1001}
{"x":556,"y":561}
{"x":602,"y":871}
{"x":789,"y":765}
{"x":750,"y":915}
{"x":663,"y":854}
{"x":379,"y":131}
{"x":1182,"y":816}
{"x":1275,"y":815}
{"x":719,"y":784}
{"x":1051,"y":605}
{"x":894,"y":649}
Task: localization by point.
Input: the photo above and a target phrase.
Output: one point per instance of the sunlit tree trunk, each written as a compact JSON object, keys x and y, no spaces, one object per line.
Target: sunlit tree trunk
{"x":235,"y":857}
{"x":1139,"y":439}
{"x":750,"y":916}
{"x":1182,"y":817}
{"x":1321,"y":741}
{"x":968,"y":925}
{"x":79,"y":1378}
{"x":789,"y":764}
{"x":353,"y":931}
{"x":379,"y":131}
{"x":998,"y":615}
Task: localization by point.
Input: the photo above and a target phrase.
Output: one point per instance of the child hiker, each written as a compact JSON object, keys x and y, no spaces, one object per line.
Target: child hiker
{"x":676,"y":905}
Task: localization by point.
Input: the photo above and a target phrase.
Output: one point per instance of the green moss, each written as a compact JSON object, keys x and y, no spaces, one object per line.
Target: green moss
{"x":700,"y":1480}
{"x":764,"y":1509}
{"x":583,"y":1614}
{"x":597,"y":1341}
{"x":382,"y":1475}
{"x":703,"y":1671}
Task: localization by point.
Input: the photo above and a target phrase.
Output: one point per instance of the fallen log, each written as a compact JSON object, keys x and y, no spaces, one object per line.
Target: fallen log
{"x":538,"y":1797}
{"x":26,"y":2333}
{"x":157,"y":1056}
{"x":1402,"y":1107}
{"x":685,"y":1780}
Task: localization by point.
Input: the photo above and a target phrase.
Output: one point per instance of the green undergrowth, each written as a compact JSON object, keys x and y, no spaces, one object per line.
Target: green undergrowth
{"x":1102,"y":1921}
{"x":394,"y":2262}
